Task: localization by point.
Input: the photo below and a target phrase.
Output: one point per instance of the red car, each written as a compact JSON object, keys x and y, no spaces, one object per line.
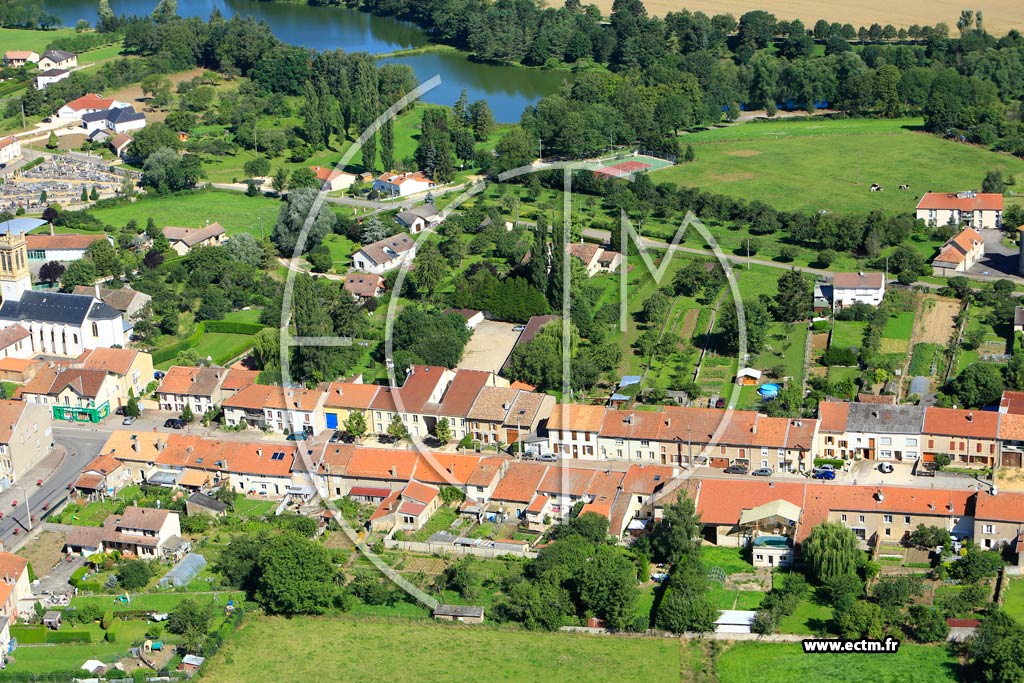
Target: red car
{"x":39,"y":482}
{"x":14,"y":503}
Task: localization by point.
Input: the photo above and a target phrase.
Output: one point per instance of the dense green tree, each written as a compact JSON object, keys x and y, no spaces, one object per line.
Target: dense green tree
{"x":995,"y":650}
{"x":926,"y":624}
{"x":830,"y":551}
{"x":860,"y":619}
{"x":293,"y":218}
{"x":978,"y":385}
{"x":443,"y":431}
{"x":677,"y":535}
{"x":80,"y":272}
{"x":795,"y":297}
{"x":355,"y":424}
{"x":295,"y":576}
{"x":397,"y":429}
{"x":133,"y":574}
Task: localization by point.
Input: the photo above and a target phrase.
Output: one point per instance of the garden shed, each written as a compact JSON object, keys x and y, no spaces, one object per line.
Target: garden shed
{"x":183,"y":572}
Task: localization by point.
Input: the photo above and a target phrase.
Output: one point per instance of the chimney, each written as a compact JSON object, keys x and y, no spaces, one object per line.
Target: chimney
{"x":970,"y":417}
{"x":394,"y":471}
{"x":135,"y":446}
{"x":874,"y":414}
{"x":259,"y":452}
{"x":668,"y":422}
{"x":160,"y":445}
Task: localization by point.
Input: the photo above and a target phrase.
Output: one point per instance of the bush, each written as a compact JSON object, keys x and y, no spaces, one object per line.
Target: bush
{"x":68,"y":636}
{"x":108,"y":619}
{"x":835,"y":355}
{"x":78,"y":575}
{"x":134,"y":574}
{"x":111,"y":635}
{"x":835,"y":462}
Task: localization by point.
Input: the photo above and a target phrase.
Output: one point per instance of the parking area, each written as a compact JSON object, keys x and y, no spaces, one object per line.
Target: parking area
{"x":489,"y":346}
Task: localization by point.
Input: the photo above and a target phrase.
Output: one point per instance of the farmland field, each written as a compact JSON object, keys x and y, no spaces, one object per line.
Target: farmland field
{"x":425,"y":651}
{"x":1000,"y":15}
{"x":19,"y":39}
{"x":778,"y":662}
{"x":819,"y":164}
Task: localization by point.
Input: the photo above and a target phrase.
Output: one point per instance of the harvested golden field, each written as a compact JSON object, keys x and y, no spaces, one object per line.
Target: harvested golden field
{"x":1000,"y":15}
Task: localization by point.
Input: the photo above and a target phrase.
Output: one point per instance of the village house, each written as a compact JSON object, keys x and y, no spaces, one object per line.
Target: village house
{"x":277,"y":409}
{"x":15,"y":587}
{"x":199,"y":388}
{"x":852,"y":431}
{"x":65,"y":248}
{"x":119,"y":144}
{"x":969,"y":437}
{"x":456,"y":403}
{"x":344,"y":398}
{"x":734,"y":512}
{"x":1011,"y":433}
{"x":132,"y":370}
{"x":104,"y":476}
{"x":423,"y":384}
{"x":64,"y":324}
{"x":573,"y":430}
{"x":976,"y":210}
{"x":115,"y":120}
{"x":402,"y":184}
{"x":332,"y":179}
{"x":184,"y":240}
{"x":10,"y":149}
{"x":86,"y":104}
{"x":596,"y":259}
{"x":26,"y":436}
{"x":15,"y":343}
{"x":407,"y":509}
{"x":998,"y":519}
{"x":19,"y":58}
{"x":58,"y":59}
{"x":857,"y":288}
{"x":146,"y":533}
{"x":364,"y":286}
{"x":127,"y":300}
{"x":1018,"y":320}
{"x":504,"y":415}
{"x":419,"y":218}
{"x":386,"y":254}
{"x":960,"y":253}
{"x":517,"y":489}
{"x":876,"y":513}
{"x":44,"y":79}
{"x":74,"y":394}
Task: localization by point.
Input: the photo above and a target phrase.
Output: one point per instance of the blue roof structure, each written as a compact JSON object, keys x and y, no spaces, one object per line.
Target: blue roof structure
{"x":19,"y":226}
{"x":183,"y":572}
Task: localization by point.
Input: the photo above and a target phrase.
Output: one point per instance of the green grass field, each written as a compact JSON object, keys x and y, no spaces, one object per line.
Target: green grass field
{"x":900,"y":326}
{"x":785,"y":662}
{"x":848,"y":333}
{"x":729,"y":559}
{"x":273,"y":649}
{"x":252,"y":507}
{"x":236,"y":212}
{"x":1014,"y":601}
{"x":828,"y":165}
{"x":809,"y":618}
{"x":20,"y":39}
{"x":251,"y":315}
{"x":42,"y":659}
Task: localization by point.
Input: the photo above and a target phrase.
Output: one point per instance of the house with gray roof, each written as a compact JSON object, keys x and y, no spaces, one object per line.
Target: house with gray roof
{"x":419,"y":218}
{"x":884,"y":432}
{"x":116,"y":119}
{"x":386,"y":254}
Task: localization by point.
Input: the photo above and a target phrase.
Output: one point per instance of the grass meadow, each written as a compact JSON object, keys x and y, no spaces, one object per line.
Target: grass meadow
{"x":819,"y":164}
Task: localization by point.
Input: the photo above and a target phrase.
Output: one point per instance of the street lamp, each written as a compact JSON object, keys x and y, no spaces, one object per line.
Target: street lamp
{"x":28,"y":509}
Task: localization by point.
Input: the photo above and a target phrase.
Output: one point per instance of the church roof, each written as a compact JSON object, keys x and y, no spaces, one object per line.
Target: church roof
{"x":56,"y":307}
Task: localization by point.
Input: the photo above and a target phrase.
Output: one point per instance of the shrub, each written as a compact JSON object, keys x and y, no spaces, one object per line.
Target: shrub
{"x":78,"y":575}
{"x":111,"y":635}
{"x":108,"y":619}
{"x":835,"y":355}
{"x":134,"y":574}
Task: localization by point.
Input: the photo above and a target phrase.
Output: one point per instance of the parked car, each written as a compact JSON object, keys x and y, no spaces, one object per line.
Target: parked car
{"x":297,"y":436}
{"x":826,"y":468}
{"x":119,"y":410}
{"x":174,"y":423}
{"x":129,"y":419}
{"x":547,"y":457}
{"x":762,"y":472}
{"x":885,"y":467}
{"x":159,"y":374}
{"x":720,"y":403}
{"x":48,"y":120}
{"x":528,"y":455}
{"x":735,"y":469}
{"x":828,"y":475}
{"x":519,"y":328}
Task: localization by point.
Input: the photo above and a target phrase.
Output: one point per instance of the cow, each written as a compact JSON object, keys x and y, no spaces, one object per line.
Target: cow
{"x":904,"y":187}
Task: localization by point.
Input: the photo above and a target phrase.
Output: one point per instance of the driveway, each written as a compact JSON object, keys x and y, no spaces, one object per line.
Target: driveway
{"x":490,"y":345}
{"x":999,"y":260}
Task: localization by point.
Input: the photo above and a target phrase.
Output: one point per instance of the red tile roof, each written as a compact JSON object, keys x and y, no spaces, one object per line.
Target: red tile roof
{"x":1004,"y":507}
{"x":981,"y":201}
{"x":577,"y":416}
{"x":44,"y":241}
{"x":91,"y":101}
{"x":858,"y":280}
{"x":414,"y":392}
{"x":1012,"y":402}
{"x":350,"y":395}
{"x":976,"y":424}
{"x":259,"y":396}
{"x":520,"y":482}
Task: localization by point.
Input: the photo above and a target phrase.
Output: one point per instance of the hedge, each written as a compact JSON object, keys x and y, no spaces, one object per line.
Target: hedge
{"x":29,"y":634}
{"x":229,"y":327}
{"x":68,"y":636}
{"x":108,"y":619}
{"x":111,"y":635}
{"x":37,"y":635}
{"x":76,"y":577}
{"x":170,"y":352}
{"x":835,"y":462}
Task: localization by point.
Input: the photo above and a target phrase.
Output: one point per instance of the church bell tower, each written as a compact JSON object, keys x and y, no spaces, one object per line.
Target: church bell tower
{"x":14,"y":274}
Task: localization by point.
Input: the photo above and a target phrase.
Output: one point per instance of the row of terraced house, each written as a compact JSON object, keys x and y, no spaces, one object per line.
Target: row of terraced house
{"x":490,"y":411}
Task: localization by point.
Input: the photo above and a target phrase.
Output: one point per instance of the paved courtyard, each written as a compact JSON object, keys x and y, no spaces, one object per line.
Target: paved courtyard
{"x":489,"y":346}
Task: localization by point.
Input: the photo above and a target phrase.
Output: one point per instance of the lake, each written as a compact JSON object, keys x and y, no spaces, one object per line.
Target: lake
{"x":507,"y":89}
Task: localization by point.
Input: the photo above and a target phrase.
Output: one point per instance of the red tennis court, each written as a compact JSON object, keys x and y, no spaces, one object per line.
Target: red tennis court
{"x":622,"y":169}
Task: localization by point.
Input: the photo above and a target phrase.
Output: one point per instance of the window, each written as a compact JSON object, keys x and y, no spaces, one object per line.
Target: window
{"x":842,"y":517}
{"x":95,"y":330}
{"x":887,"y":519}
{"x":911,"y":441}
{"x":861,"y":519}
{"x":906,"y":520}
{"x":645,"y":442}
{"x":885,"y":441}
{"x":988,"y":528}
{"x":888,"y":531}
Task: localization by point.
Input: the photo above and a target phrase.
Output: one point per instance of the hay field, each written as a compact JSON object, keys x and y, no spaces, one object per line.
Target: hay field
{"x":1000,"y":15}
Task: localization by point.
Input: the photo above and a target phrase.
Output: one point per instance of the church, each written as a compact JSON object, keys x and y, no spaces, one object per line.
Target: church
{"x":58,"y":324}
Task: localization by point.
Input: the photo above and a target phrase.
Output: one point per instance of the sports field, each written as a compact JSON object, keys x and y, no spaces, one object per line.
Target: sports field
{"x":1000,"y":15}
{"x":820,"y":164}
{"x":621,"y":166}
{"x":272,"y":650}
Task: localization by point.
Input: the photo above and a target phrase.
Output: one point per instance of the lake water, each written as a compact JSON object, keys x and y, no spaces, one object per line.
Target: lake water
{"x":507,"y":89}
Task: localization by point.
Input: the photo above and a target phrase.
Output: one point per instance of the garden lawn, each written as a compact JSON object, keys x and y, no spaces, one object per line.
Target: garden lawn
{"x":222,"y":346}
{"x":251,"y":507}
{"x":251,"y":315}
{"x":426,"y":651}
{"x":236,"y":212}
{"x":809,"y":618}
{"x":821,"y":164}
{"x":729,"y":559}
{"x":900,"y":326}
{"x":41,"y":659}
{"x":1014,"y":601}
{"x":785,"y":662}
{"x":158,"y":602}
{"x":22,"y":39}
{"x":848,"y":333}
{"x":342,"y":249}
{"x":441,"y":520}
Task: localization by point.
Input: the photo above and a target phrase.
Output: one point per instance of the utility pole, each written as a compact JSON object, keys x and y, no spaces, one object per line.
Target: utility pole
{"x":23,"y":124}
{"x":261,"y":229}
{"x":748,"y":253}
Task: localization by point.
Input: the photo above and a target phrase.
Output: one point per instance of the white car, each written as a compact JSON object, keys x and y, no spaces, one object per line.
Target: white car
{"x":885,"y":467}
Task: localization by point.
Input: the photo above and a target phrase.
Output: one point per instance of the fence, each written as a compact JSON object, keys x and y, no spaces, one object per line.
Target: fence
{"x":449,"y":549}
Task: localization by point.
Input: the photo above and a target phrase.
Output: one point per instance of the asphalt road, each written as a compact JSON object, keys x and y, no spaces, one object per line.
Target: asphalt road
{"x":81,"y":444}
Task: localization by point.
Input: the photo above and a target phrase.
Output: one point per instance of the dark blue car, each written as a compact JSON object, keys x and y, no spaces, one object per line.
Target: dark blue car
{"x":825,"y":474}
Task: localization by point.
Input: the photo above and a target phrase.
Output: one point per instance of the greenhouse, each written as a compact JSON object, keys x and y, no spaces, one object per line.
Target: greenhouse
{"x":183,"y":572}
